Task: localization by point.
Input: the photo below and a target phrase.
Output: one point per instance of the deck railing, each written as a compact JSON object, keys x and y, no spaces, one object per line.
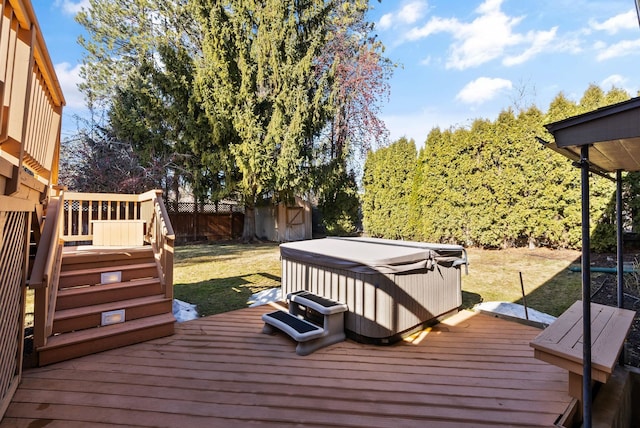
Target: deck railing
{"x":30,"y":97}
{"x":46,"y":270}
{"x":160,"y":235}
{"x":81,"y":209}
{"x":71,"y":218}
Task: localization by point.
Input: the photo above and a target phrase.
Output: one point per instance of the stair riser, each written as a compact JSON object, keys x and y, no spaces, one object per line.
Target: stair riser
{"x":54,"y":355}
{"x":83,"y":260}
{"x":94,"y":319}
{"x":103,"y":294}
{"x":71,"y":266}
{"x":69,"y":280}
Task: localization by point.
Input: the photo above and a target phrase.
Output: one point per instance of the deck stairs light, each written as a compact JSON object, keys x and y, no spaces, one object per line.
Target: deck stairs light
{"x":112,"y":317}
{"x":110,"y":277}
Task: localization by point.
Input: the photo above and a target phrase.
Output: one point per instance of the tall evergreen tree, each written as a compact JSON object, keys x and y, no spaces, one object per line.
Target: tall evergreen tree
{"x":494,"y":185}
{"x":122,"y":37}
{"x":258,"y":70}
{"x":158,"y":113}
{"x":441,"y":217}
{"x":388,"y":184}
{"x":139,"y":68}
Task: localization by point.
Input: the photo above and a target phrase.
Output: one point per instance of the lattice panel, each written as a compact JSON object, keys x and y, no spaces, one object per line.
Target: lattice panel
{"x":12,"y":253}
{"x":206,"y":208}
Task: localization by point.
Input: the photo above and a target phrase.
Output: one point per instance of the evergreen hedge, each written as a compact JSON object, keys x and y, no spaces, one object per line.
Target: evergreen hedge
{"x":492,"y":185}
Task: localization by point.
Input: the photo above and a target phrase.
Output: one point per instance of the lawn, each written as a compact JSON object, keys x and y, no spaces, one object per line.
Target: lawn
{"x":222,"y":277}
{"x":494,"y":275}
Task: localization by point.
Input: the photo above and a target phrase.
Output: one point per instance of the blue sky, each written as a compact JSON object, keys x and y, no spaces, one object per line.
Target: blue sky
{"x":458,"y":59}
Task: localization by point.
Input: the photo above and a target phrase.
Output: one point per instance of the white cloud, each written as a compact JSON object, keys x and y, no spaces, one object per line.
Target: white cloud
{"x":386,"y":21}
{"x":69,"y":77}
{"x":623,"y":21}
{"x":489,"y":6}
{"x":483,"y":89}
{"x":71,"y":7}
{"x":614,"y":80}
{"x":435,"y":25}
{"x":619,"y":49}
{"x":599,"y":45}
{"x":489,"y":36}
{"x":540,"y":41}
{"x":485,"y":38}
{"x":409,"y":13}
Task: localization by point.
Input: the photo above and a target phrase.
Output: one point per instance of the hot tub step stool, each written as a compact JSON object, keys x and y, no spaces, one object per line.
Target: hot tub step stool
{"x":306,"y":312}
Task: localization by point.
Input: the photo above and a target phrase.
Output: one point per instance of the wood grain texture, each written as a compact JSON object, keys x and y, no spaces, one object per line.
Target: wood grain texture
{"x":470,"y":370}
{"x":561,"y":343}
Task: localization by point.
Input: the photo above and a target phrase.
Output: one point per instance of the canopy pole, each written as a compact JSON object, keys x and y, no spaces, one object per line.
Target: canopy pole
{"x":586,"y":290}
{"x":620,"y":248}
{"x":619,"y":239}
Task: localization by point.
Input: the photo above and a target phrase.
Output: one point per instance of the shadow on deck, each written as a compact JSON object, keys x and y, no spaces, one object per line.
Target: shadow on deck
{"x":469,"y":370}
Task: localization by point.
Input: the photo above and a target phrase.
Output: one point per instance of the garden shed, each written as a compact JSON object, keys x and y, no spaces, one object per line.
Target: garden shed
{"x":284,"y":222}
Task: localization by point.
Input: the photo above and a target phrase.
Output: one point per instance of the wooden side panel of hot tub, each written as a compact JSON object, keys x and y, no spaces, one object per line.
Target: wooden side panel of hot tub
{"x":381,"y":306}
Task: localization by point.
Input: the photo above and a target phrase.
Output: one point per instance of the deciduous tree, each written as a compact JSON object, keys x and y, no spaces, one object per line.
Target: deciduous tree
{"x":355,"y":59}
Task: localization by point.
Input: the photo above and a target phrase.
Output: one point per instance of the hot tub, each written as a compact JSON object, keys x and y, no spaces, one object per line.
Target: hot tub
{"x":390,"y":287}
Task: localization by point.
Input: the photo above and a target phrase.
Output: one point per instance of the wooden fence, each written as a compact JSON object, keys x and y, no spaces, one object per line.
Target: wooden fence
{"x":207,"y":226}
{"x":206,"y":221}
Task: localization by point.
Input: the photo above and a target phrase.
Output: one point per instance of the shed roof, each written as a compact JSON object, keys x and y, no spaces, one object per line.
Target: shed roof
{"x":613,"y":133}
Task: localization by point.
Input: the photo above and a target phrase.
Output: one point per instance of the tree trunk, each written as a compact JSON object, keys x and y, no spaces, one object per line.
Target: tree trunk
{"x":249,"y":228}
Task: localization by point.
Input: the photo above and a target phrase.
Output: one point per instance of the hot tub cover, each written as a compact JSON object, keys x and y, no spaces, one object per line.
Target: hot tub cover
{"x":370,"y":255}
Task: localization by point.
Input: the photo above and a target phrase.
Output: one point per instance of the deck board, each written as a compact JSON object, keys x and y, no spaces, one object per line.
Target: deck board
{"x":470,"y":370}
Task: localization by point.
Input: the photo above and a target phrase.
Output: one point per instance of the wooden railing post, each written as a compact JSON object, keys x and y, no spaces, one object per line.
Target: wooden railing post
{"x":160,"y":235}
{"x":43,"y":274}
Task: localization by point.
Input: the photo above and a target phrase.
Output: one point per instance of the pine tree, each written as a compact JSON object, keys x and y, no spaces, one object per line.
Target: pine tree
{"x":139,"y":71}
{"x":258,"y":70}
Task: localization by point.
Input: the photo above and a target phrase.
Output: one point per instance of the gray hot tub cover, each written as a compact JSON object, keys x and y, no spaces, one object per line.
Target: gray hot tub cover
{"x":369,"y":255}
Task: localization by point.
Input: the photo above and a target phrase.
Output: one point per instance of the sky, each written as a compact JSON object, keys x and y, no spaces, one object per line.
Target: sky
{"x":457,"y":60}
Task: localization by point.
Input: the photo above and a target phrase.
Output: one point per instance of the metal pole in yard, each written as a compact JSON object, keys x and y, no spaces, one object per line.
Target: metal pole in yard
{"x":524,"y":298}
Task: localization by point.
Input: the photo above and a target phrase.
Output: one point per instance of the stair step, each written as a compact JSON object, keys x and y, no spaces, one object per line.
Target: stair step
{"x":98,"y":294}
{"x":75,"y":258}
{"x":81,"y":318}
{"x":76,"y":344}
{"x":92,"y":276}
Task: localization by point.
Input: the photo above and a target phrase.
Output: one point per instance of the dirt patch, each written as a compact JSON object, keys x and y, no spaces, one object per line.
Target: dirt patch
{"x":604,"y":290}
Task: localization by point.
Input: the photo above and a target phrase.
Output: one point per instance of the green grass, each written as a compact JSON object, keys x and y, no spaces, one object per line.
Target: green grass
{"x":494,"y":275}
{"x":222,"y":277}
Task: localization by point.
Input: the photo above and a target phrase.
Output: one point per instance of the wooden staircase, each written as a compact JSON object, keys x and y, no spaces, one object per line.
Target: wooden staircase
{"x":83,"y":301}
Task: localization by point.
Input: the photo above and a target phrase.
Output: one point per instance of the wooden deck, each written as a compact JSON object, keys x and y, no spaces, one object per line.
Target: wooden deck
{"x":470,"y":370}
